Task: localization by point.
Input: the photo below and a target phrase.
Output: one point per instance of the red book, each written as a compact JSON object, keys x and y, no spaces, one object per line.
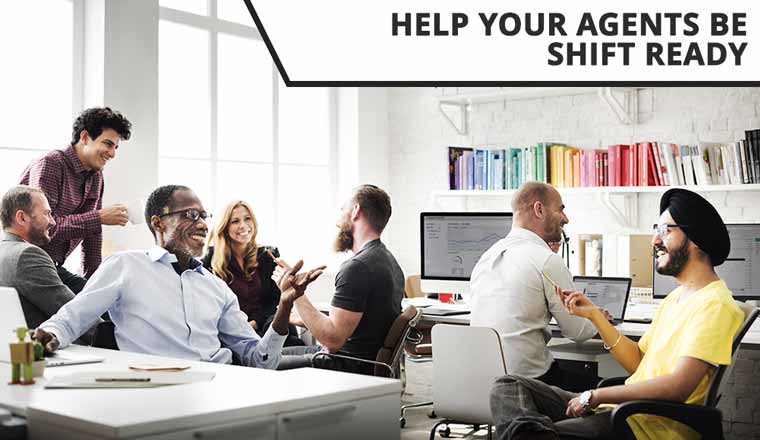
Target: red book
{"x":598,"y":164}
{"x":643,"y":166}
{"x":605,"y":169}
{"x":651,"y":173}
{"x":612,"y":153}
{"x":634,"y":164}
{"x":625,"y":165}
{"x":661,"y":170}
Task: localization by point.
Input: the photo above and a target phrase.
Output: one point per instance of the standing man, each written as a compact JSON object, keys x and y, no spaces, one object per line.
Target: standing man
{"x":511,"y":292}
{"x":72,"y":180}
{"x":368,"y":289}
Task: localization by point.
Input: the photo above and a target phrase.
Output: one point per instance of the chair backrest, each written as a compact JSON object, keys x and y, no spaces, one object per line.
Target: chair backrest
{"x":466,"y":362}
{"x":724,"y":371}
{"x":393,"y":346}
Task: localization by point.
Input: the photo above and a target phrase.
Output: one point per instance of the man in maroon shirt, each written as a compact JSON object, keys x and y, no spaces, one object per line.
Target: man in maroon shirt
{"x":72,"y":180}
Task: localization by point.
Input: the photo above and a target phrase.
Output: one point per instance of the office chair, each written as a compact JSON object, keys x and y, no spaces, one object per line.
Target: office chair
{"x":388,"y":362}
{"x":104,"y":336}
{"x":705,"y":419}
{"x":466,"y":362}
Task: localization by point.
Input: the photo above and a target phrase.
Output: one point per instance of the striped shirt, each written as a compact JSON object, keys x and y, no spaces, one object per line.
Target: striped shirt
{"x":75,"y":195}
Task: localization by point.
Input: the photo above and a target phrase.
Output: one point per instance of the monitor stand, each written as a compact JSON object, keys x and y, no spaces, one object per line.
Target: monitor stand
{"x":445,"y":286}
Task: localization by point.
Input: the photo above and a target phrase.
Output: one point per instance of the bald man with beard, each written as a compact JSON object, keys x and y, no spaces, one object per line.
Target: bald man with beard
{"x":511,"y":294}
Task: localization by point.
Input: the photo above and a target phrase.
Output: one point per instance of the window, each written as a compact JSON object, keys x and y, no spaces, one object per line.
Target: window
{"x":230,"y":129}
{"x":42,"y":93}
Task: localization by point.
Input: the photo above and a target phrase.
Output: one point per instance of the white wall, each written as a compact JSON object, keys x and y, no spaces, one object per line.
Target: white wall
{"x":121,"y":72}
{"x":419,"y":136}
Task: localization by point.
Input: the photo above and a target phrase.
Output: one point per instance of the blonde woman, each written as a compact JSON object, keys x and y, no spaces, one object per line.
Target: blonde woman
{"x":234,"y":256}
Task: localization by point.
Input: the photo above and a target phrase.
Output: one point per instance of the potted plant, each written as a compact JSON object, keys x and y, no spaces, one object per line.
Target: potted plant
{"x":38,"y":366}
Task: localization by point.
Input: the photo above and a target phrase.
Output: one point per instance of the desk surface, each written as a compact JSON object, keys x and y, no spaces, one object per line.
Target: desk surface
{"x":235,"y":393}
{"x":751,"y":339}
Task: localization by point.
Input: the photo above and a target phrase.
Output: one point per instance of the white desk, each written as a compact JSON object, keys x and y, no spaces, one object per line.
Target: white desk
{"x":240,"y":401}
{"x":751,"y":339}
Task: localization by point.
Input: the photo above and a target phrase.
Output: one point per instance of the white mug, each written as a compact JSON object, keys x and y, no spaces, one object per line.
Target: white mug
{"x":135,"y":210}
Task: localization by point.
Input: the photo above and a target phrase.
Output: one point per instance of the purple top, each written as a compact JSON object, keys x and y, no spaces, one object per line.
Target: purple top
{"x":75,"y":195}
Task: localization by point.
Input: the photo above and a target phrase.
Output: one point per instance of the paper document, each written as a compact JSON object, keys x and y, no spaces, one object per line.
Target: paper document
{"x":127,"y":379}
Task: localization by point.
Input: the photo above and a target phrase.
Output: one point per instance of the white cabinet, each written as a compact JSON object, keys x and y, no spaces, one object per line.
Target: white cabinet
{"x":367,"y":419}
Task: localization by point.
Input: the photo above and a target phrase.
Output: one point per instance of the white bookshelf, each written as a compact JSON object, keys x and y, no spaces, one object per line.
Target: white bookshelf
{"x":599,"y":190}
{"x":620,"y":201}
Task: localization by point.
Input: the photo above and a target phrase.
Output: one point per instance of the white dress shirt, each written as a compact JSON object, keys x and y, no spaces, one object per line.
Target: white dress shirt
{"x":510,"y":295}
{"x":156,"y":311}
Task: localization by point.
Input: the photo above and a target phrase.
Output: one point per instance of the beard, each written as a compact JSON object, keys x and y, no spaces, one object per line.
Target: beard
{"x":555,"y":233}
{"x":344,"y":240}
{"x":38,"y":236}
{"x":677,"y":259}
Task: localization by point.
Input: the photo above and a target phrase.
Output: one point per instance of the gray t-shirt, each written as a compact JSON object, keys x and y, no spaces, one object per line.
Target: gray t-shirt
{"x":371,"y":282}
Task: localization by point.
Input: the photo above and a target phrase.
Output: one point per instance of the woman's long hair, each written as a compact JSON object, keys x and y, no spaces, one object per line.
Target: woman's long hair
{"x":220,"y":239}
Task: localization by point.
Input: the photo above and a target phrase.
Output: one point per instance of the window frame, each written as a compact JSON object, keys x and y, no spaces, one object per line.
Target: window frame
{"x":77,"y":74}
{"x":214,"y":26}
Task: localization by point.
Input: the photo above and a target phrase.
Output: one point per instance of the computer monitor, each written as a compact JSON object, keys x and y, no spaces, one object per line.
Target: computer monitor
{"x":452,"y":242}
{"x":740,"y":271}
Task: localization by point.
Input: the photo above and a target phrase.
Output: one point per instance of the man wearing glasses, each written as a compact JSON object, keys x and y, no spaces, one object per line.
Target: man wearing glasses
{"x":164,"y":302}
{"x":674,"y":360}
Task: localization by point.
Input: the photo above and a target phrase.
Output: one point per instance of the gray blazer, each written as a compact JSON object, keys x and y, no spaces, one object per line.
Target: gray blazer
{"x":31,"y":271}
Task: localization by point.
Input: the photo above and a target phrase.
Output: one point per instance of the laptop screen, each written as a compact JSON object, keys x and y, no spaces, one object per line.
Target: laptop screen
{"x":607,"y":293}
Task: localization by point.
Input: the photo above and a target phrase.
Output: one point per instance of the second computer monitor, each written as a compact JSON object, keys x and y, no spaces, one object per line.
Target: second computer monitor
{"x":452,"y":242}
{"x":740,"y":271}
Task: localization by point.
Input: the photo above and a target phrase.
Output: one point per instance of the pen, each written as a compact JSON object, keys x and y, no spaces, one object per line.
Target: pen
{"x":550,"y":280}
{"x":122,"y":379}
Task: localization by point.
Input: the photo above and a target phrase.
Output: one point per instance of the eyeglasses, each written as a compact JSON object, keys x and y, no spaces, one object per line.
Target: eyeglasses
{"x":663,"y":229}
{"x":190,"y":214}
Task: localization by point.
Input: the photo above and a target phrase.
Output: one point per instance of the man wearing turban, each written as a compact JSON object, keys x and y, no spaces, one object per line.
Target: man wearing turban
{"x":692,"y":333}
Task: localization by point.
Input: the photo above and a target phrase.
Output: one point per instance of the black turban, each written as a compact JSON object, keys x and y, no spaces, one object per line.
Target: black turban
{"x":703,"y":223}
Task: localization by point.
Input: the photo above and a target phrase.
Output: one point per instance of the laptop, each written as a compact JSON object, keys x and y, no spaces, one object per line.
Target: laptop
{"x":12,"y":317}
{"x":446,"y":310}
{"x":606,"y":292}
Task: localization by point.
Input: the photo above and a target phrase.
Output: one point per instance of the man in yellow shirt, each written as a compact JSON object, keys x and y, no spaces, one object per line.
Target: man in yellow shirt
{"x":691,"y":333}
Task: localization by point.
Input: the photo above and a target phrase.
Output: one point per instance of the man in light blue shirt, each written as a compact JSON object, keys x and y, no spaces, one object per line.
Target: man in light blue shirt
{"x":164,"y":302}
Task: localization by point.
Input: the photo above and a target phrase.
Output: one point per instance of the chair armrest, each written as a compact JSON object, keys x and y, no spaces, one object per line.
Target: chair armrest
{"x":351,"y":358}
{"x":611,"y":381}
{"x":703,"y":419}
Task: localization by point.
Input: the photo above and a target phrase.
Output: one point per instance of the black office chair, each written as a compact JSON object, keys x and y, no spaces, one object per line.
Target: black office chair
{"x":104,"y":336}
{"x":705,"y":419}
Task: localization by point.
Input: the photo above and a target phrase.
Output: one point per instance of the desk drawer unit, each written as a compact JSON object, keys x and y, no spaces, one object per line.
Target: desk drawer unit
{"x":368,"y":419}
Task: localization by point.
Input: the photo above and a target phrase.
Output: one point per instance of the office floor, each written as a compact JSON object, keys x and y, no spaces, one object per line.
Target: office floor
{"x":419,"y":388}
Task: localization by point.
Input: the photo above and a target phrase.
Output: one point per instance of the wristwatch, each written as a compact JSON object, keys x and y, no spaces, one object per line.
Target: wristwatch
{"x":585,"y":400}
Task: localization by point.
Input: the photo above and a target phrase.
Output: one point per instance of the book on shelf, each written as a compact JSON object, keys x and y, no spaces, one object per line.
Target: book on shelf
{"x":646,"y":163}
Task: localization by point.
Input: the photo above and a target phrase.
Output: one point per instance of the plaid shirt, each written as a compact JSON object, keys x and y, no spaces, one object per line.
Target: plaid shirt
{"x":75,"y":196}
